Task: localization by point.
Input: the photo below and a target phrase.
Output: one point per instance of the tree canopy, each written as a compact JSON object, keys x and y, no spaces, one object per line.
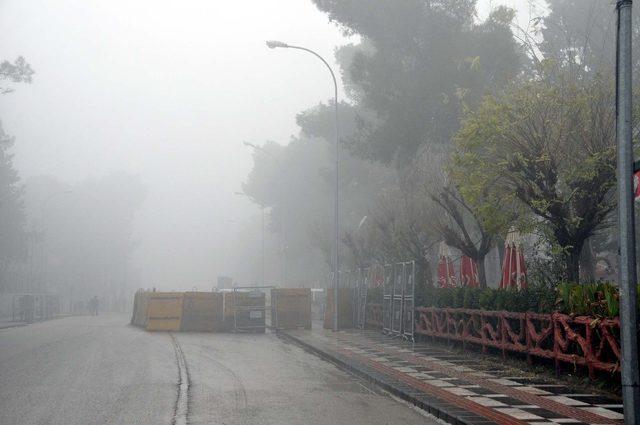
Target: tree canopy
{"x":548,"y":146}
{"x":419,"y":63}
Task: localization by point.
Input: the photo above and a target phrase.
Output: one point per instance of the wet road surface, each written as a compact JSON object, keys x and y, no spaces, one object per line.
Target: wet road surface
{"x":90,"y":370}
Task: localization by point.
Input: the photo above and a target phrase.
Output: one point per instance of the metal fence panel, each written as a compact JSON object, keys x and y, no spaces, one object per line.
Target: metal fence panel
{"x":409,"y":300}
{"x":387,"y":298}
{"x":398,"y":282}
{"x":363,"y":283}
{"x":409,"y":279}
{"x":388,"y":280}
{"x":396,"y":318}
{"x":397,"y":304}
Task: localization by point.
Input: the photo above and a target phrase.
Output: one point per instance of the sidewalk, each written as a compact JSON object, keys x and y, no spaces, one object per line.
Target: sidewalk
{"x":455,"y":388}
{"x":8,"y":323}
{"x":5,"y":324}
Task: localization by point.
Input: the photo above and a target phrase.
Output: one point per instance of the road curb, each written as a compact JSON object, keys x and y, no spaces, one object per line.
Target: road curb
{"x":16,"y":325}
{"x":434,"y":409}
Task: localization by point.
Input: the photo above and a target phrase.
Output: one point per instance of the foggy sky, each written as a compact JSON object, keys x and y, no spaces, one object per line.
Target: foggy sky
{"x":168,"y":91}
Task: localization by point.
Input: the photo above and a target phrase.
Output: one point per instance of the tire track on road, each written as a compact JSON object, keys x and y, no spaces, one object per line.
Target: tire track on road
{"x":181,"y":408}
{"x":239,"y":391}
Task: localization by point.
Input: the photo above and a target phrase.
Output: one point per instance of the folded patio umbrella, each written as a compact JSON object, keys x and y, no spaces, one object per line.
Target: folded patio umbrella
{"x":446,"y":271}
{"x":468,"y":272}
{"x":514,"y":270}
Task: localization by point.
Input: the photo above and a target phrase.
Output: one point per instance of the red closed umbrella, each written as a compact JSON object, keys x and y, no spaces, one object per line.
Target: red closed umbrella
{"x":446,"y":271}
{"x":469,"y":272}
{"x":514,"y":269}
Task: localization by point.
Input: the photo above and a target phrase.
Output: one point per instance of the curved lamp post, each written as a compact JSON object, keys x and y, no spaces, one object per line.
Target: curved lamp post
{"x":336,"y":257}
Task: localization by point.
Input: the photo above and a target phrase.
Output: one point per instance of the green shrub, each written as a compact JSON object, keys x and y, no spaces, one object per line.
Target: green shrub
{"x":471,"y":298}
{"x":444,"y":298}
{"x":595,"y":299}
{"x":458,"y":297}
{"x":612,"y":301}
{"x":501,"y":299}
{"x":487,"y":299}
{"x":425,"y":295}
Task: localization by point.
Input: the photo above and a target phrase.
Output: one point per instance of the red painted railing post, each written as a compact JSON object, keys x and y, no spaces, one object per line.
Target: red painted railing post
{"x":589,"y":351}
{"x":556,"y":345}
{"x":503,"y":334}
{"x":482,"y":334}
{"x":528,"y":338}
{"x":570,"y":344}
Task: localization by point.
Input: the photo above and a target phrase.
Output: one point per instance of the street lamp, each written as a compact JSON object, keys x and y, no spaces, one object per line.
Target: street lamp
{"x":262,"y":237}
{"x":272,"y":44}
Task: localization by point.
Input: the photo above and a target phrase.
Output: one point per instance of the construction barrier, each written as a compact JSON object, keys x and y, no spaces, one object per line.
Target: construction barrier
{"x":345,"y":308}
{"x":244,"y":311}
{"x":241,"y":310}
{"x":164,"y":311}
{"x":140,"y":302}
{"x":291,"y":308}
{"x":202,"y":312}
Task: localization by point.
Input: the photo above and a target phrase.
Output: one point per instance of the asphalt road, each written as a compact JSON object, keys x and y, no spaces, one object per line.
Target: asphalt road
{"x":100,"y":370}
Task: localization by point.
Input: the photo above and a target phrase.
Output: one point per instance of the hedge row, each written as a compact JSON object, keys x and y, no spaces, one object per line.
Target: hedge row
{"x":539,"y":299}
{"x":595,"y":299}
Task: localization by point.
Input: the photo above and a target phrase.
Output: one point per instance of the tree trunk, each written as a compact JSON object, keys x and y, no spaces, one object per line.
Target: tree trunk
{"x":424,"y":273}
{"x":573,"y":265}
{"x":587,"y":262}
{"x":482,"y":274}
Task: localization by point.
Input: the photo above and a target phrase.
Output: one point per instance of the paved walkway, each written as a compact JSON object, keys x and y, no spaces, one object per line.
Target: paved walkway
{"x":458,"y":389}
{"x":4,"y":324}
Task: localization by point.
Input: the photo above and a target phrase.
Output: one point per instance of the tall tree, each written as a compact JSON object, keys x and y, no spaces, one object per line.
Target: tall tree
{"x":548,"y":145}
{"x":12,"y":217}
{"x":296,"y":183}
{"x":88,"y":233}
{"x":17,"y":72}
{"x":463,"y":228}
{"x":419,"y":62}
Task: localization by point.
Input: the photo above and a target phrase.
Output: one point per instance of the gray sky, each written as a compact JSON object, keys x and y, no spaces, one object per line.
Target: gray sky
{"x":167,"y":90}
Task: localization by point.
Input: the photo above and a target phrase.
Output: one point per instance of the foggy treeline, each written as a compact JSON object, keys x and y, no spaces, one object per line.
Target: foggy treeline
{"x":74,"y":240}
{"x":423,"y":156}
{"x":429,"y":153}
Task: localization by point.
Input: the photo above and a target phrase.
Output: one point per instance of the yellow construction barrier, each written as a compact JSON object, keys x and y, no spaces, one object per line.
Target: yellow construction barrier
{"x":291,"y":308}
{"x":140,"y":302}
{"x":202,"y":312}
{"x":164,"y":311}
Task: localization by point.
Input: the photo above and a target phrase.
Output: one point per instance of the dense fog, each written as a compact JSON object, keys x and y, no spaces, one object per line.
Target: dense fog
{"x":153,"y":136}
{"x":155,"y":99}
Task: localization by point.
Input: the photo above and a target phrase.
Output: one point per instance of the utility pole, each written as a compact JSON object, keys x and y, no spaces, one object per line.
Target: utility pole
{"x":628,"y":279}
